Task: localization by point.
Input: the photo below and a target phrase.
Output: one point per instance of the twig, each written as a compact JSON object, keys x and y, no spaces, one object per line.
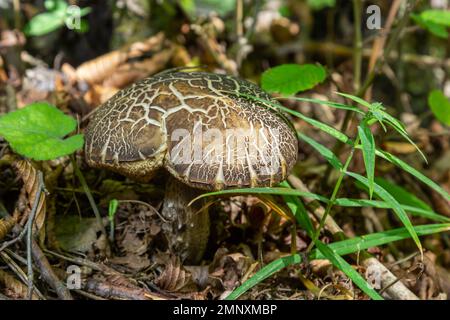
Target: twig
{"x":29,"y":229}
{"x":48,"y":274}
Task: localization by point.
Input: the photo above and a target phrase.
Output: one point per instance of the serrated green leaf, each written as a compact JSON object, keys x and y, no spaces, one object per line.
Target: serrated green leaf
{"x":441,"y":17}
{"x":288,"y":79}
{"x":440,"y":106}
{"x":368,"y":150}
{"x":37,"y":132}
{"x":396,"y":207}
{"x":437,"y":29}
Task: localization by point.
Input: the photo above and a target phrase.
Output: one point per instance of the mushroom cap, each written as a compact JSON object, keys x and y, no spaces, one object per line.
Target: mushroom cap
{"x":197,"y":127}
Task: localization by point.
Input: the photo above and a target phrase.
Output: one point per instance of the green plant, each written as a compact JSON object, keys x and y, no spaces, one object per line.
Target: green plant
{"x":389,"y":196}
{"x":435,"y":21}
{"x":57,"y":14}
{"x":289,"y":79}
{"x":440,"y":106}
{"x":37,"y":131}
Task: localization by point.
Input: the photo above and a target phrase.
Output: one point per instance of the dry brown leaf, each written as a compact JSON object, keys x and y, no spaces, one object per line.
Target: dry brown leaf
{"x":13,"y":287}
{"x":29,"y":176}
{"x":114,"y":69}
{"x":174,"y":277}
{"x":6,"y":225}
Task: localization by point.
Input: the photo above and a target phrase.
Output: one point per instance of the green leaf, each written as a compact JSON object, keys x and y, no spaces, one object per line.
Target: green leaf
{"x":400,"y":128}
{"x":275,"y":191}
{"x":344,"y":247}
{"x":396,"y":207}
{"x":429,"y":214}
{"x":440,"y":106}
{"x":420,"y":176}
{"x":402,"y":195}
{"x":112,"y":209}
{"x":321,"y":4}
{"x":342,"y":265}
{"x":437,"y":29}
{"x":356,"y":244}
{"x":356,"y":99}
{"x":298,"y":210}
{"x":43,"y":23}
{"x":288,"y":79}
{"x":263,"y":274}
{"x":441,"y":17}
{"x":368,"y":150}
{"x":327,"y":103}
{"x":324,"y":151}
{"x":37,"y":132}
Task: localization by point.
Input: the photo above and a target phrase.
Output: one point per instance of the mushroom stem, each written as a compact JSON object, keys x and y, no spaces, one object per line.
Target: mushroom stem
{"x":186,"y":227}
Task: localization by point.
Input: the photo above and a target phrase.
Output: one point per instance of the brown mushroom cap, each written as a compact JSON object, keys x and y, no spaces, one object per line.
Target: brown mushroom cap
{"x":195,"y":125}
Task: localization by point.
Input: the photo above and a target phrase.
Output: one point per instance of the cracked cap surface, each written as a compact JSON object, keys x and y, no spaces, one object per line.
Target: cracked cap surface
{"x":197,"y":127}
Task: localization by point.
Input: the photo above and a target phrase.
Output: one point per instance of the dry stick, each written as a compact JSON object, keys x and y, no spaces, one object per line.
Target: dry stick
{"x":19,"y":272}
{"x":380,"y":41}
{"x":394,"y":288}
{"x":48,"y":274}
{"x":29,"y":229}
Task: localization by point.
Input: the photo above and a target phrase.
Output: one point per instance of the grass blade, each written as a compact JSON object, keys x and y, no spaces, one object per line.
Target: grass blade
{"x":420,"y":176}
{"x":327,"y":103}
{"x":273,"y":191}
{"x":344,"y":247}
{"x":396,"y":207}
{"x":263,"y":274}
{"x":368,"y":150}
{"x":317,"y":124}
{"x":380,"y":238}
{"x":324,"y":151}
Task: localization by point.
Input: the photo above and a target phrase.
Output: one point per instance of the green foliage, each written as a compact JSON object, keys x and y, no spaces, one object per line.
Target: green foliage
{"x":440,"y":106}
{"x":195,"y":8}
{"x":288,"y":79}
{"x":434,"y":28}
{"x":38,"y":130}
{"x":441,"y":17}
{"x":392,"y":197}
{"x":368,"y":151}
{"x":402,"y":195}
{"x":344,"y":247}
{"x":58,"y":11}
{"x":321,"y":4}
{"x":435,"y":21}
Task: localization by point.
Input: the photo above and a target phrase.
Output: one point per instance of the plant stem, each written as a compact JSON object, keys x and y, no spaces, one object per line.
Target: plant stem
{"x":334,"y":195}
{"x":88,"y":193}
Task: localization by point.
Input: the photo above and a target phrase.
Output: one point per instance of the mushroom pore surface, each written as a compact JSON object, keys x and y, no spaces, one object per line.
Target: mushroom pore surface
{"x":198,"y":127}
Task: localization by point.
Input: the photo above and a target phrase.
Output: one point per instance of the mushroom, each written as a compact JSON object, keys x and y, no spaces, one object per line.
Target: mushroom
{"x":204,"y":131}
